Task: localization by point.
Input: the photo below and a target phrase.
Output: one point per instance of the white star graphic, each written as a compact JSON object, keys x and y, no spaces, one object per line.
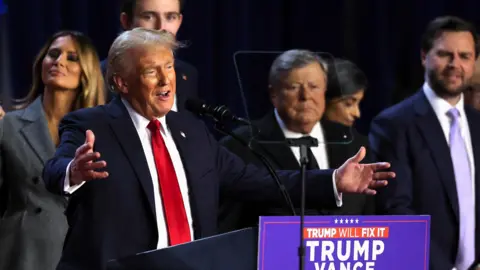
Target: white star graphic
{"x":351,"y":221}
{"x":356,"y":220}
{"x":346,"y":221}
{"x":336,"y":221}
{"x":341,"y":221}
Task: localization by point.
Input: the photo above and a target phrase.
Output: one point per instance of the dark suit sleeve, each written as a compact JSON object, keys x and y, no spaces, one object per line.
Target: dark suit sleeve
{"x":388,"y":142}
{"x":252,"y":184}
{"x":72,"y":136}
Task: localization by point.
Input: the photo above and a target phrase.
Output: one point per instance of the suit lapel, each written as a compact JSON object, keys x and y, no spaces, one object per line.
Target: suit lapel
{"x":127,"y":136}
{"x":281,"y":154}
{"x":180,"y":137}
{"x":474,"y":126}
{"x":429,"y":126}
{"x":35,"y":131}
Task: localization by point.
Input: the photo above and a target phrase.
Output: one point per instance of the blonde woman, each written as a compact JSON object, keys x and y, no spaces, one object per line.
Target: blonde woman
{"x":66,"y":77}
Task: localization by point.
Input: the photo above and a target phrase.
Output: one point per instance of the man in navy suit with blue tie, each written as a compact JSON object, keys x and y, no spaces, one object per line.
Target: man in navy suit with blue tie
{"x":161,"y":173}
{"x":433,"y":143}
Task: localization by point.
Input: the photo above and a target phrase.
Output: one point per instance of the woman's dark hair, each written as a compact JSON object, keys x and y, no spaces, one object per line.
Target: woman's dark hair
{"x":344,"y":79}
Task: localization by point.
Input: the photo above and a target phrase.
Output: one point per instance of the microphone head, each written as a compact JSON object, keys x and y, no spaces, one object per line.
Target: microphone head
{"x":219,"y":113}
{"x":196,"y":106}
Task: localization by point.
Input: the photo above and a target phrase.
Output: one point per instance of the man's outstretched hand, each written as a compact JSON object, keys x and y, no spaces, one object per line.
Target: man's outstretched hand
{"x":353,"y":177}
{"x":83,"y":165}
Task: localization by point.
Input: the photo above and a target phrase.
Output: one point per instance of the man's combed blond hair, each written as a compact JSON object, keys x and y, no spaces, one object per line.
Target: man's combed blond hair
{"x":118,"y":56}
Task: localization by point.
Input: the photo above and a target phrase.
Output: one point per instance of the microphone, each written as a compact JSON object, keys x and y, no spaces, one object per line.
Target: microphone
{"x":222,"y":113}
{"x":219,"y":113}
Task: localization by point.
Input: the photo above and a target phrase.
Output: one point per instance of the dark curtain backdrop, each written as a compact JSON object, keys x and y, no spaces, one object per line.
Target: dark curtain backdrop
{"x":382,"y":37}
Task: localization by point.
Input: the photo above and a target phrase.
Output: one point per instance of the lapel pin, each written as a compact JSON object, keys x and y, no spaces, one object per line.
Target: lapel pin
{"x":184,"y":77}
{"x":183,"y":134}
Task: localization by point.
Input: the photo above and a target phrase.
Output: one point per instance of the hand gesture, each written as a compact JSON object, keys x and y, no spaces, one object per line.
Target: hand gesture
{"x":353,"y":177}
{"x":83,"y":166}
{"x":2,"y":112}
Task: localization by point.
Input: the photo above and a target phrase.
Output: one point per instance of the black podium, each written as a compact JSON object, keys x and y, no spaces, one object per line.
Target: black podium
{"x":233,"y":251}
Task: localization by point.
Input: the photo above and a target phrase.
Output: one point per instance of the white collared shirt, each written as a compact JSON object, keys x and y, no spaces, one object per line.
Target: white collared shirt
{"x":174,"y":106}
{"x":144,"y":135}
{"x":319,"y":152}
{"x":441,"y":107}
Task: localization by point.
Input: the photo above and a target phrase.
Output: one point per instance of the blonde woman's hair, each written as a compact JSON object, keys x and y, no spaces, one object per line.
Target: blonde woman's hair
{"x":91,"y":88}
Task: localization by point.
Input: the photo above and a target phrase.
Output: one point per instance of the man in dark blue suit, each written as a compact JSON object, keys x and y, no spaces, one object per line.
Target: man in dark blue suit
{"x":159,"y":15}
{"x":433,"y":143}
{"x":165,"y":171}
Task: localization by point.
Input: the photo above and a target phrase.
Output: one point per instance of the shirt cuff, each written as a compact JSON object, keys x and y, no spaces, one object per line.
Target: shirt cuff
{"x":338,"y":196}
{"x":66,"y":186}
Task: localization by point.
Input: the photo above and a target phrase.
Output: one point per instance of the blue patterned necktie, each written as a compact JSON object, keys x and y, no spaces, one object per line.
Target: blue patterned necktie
{"x":466,"y":201}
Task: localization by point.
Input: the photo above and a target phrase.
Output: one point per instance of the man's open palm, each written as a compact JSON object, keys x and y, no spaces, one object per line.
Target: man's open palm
{"x":353,"y":177}
{"x":84,"y":166}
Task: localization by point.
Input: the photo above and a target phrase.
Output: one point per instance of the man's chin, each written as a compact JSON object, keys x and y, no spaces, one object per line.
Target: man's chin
{"x":450,"y":90}
{"x":161,"y":111}
{"x":454,"y":91}
{"x":159,"y":114}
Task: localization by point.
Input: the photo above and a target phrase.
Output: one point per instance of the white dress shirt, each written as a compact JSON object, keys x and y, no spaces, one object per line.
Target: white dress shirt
{"x":144,"y":135}
{"x":319,"y":152}
{"x":441,"y":107}
{"x":174,"y":107}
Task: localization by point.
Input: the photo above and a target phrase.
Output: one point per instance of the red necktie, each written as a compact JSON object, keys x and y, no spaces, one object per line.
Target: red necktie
{"x":176,"y":218}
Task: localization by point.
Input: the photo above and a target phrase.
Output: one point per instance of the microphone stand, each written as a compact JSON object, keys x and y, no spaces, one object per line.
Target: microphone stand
{"x":304,"y":143}
{"x":221,"y":128}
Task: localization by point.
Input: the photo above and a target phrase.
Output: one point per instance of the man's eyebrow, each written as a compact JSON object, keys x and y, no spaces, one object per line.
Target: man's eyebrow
{"x":148,"y":12}
{"x":151,"y":64}
{"x":467,"y":53}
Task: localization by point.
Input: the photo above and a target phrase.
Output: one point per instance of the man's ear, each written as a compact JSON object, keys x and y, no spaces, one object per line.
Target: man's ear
{"x":125,"y":21}
{"x":120,"y":84}
{"x":272,"y":92}
{"x":423,"y":56}
{"x":180,"y":18}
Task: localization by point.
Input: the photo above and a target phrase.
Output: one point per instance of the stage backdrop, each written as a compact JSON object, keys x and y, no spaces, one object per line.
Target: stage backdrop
{"x":382,"y":37}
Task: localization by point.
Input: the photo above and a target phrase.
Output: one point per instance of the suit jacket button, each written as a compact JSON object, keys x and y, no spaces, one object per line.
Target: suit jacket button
{"x":38,"y":210}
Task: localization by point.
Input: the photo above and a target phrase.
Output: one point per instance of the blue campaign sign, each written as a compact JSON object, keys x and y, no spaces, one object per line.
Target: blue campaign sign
{"x":3,"y":7}
{"x":346,"y":242}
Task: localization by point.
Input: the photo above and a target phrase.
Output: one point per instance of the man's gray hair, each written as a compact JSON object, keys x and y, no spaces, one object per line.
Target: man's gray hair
{"x":118,"y":55}
{"x":293,"y":59}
